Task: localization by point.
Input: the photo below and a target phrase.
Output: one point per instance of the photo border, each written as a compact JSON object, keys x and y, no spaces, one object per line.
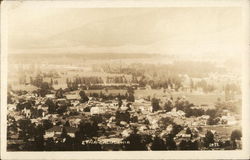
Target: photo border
{"x":242,"y":154}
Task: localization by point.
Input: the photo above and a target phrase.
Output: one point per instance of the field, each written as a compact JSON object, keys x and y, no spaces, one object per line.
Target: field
{"x":223,"y":131}
{"x":107,"y":92}
{"x":197,"y":99}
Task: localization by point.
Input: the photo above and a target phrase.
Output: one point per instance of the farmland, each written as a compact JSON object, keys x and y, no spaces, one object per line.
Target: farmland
{"x":197,"y":99}
{"x":223,"y":131}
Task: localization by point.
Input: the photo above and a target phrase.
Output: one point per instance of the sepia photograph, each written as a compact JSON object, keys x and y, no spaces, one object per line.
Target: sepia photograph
{"x":123,"y":78}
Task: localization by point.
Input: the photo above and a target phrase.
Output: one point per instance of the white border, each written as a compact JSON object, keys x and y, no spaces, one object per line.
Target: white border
{"x":243,"y":154}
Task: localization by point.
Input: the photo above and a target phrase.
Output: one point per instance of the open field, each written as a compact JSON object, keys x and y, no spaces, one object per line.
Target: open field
{"x":223,"y":131}
{"x":107,"y":92}
{"x":197,"y":99}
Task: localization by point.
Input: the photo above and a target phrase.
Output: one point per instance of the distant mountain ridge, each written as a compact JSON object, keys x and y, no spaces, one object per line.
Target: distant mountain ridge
{"x":71,"y":57}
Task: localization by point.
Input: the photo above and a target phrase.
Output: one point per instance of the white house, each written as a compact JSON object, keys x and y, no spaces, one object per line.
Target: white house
{"x":56,"y":132}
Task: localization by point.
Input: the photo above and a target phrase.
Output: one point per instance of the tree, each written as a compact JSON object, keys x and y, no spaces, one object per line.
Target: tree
{"x":44,"y":89}
{"x":51,"y":82}
{"x":69,"y":144}
{"x":131,"y":97}
{"x":182,"y":145}
{"x":59,"y":93}
{"x":21,"y":105}
{"x":130,"y":94}
{"x":101,"y":95}
{"x":176,"y":129}
{"x":122,"y":116}
{"x":209,"y":138}
{"x":68,"y":82}
{"x":187,"y":145}
{"x":64,"y":133}
{"x":84,"y":97}
{"x":134,"y":142}
{"x":47,"y":124}
{"x":168,"y":106}
{"x":164,"y":122}
{"x":39,"y":140}
{"x":188,"y":131}
{"x":158,"y":144}
{"x":211,"y":112}
{"x":227,"y":145}
{"x":130,"y":90}
{"x":119,"y":102}
{"x":51,"y":106}
{"x":61,"y":107}
{"x":212,"y":116}
{"x":212,"y":121}
{"x":67,"y":124}
{"x":31,"y":80}
{"x":191,"y":84}
{"x":236,"y":135}
{"x":9,"y":98}
{"x":194,"y":145}
{"x":155,"y":104}
{"x":56,"y":82}
{"x":170,"y":143}
{"x":87,"y":129}
{"x":26,"y":129}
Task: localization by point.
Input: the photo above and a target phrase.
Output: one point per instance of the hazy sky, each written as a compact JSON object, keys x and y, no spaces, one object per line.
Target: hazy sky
{"x":200,"y":30}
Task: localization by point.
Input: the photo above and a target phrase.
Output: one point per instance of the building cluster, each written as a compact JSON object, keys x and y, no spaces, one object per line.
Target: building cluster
{"x":112,"y":121}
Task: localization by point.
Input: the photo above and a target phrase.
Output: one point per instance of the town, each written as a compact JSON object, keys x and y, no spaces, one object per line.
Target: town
{"x":123,"y":106}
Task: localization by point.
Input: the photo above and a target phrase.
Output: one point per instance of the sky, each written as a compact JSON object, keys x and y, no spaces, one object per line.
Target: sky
{"x":170,"y":30}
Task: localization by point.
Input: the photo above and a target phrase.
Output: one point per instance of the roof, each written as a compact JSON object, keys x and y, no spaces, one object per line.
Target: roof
{"x":50,"y":96}
{"x":186,"y":135}
{"x":55,"y":129}
{"x":14,"y":136}
{"x":72,"y":96}
{"x":181,"y":132}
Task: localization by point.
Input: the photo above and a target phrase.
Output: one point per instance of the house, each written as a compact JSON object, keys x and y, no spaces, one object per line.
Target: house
{"x":27,"y":112}
{"x":11,"y":107}
{"x":18,"y":117}
{"x":80,"y":107}
{"x":124,"y":108}
{"x":75,"y":122}
{"x":183,"y":135}
{"x":140,"y":100}
{"x":204,"y":117}
{"x":97,"y":110}
{"x":125,"y":133}
{"x":52,"y":96}
{"x":73,"y":97}
{"x":75,"y":103}
{"x":47,"y":116}
{"x":34,"y":121}
{"x":71,"y":131}
{"x":56,"y":132}
{"x":230,"y":120}
{"x":180,"y":113}
{"x":169,"y":128}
